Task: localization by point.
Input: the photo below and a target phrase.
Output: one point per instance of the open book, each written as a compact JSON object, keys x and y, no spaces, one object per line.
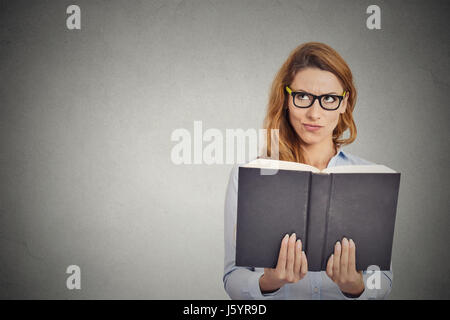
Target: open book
{"x":321,"y":207}
{"x":288,"y":165}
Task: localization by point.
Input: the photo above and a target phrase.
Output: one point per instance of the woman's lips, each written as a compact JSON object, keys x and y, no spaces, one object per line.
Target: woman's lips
{"x":311,"y":127}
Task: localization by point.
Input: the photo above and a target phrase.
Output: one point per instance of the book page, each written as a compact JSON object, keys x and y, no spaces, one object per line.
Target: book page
{"x":366,"y":168}
{"x":296,"y":166}
{"x":280,"y":164}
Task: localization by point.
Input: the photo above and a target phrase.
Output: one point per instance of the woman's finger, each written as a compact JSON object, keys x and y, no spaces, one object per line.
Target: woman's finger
{"x":336,"y":259}
{"x":344,"y":256}
{"x":291,"y":257}
{"x":352,"y":256}
{"x":298,"y":257}
{"x":304,"y":268}
{"x":281,"y":264}
{"x":330,"y":266}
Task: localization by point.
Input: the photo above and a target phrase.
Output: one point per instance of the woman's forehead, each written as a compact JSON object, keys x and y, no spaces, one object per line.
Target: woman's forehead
{"x":316,"y":81}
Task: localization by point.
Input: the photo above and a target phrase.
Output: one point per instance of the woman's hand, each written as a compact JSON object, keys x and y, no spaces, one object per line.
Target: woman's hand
{"x":341,"y":268}
{"x":291,"y":266}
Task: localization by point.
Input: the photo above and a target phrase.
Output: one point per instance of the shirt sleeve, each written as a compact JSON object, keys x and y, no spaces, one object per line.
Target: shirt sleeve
{"x":378,"y":285}
{"x":239,"y":282}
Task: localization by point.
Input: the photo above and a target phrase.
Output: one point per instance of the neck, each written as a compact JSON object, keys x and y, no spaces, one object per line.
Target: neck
{"x":319,"y":155}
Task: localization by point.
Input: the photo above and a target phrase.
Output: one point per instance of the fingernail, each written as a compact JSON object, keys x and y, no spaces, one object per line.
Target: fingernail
{"x":298,"y":243}
{"x":338,"y":244}
{"x":352,"y":244}
{"x":345,"y":241}
{"x":286,"y":237}
{"x":293,"y":235}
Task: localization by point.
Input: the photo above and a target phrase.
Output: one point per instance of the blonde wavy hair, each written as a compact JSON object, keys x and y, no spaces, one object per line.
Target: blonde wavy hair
{"x":307,"y":55}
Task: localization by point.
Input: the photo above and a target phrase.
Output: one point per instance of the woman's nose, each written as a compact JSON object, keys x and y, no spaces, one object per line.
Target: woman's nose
{"x":315,"y":110}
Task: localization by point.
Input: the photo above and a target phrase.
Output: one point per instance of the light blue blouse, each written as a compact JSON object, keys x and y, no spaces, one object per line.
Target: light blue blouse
{"x":243,"y":283}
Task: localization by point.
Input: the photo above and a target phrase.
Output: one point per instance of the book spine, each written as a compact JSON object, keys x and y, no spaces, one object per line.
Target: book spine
{"x":317,"y":219}
{"x":308,"y":205}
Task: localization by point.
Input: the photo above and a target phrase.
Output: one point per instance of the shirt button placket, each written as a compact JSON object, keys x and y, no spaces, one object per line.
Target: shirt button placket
{"x":315,"y":285}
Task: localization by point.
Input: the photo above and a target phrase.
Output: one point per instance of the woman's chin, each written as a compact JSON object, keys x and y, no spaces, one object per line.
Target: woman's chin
{"x":307,"y":139}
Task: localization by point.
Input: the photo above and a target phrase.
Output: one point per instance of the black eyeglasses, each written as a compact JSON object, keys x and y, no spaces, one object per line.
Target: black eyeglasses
{"x":304,"y":99}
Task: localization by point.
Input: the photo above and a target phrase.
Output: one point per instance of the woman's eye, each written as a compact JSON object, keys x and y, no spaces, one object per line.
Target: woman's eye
{"x":329,"y":99}
{"x":303,"y":96}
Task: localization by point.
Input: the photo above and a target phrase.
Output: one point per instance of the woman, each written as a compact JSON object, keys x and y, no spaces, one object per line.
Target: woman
{"x":311,"y":103}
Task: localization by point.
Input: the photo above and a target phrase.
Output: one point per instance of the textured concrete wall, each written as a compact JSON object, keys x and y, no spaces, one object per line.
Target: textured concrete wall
{"x":86,"y":118}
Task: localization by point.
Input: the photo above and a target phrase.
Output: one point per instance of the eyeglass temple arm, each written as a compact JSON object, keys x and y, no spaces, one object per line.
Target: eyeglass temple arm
{"x":288,"y":90}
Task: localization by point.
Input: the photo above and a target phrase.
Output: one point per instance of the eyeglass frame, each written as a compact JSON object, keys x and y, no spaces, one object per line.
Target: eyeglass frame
{"x":294,"y":93}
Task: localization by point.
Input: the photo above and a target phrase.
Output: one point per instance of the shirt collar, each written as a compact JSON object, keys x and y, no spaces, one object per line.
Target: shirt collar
{"x":340,"y":154}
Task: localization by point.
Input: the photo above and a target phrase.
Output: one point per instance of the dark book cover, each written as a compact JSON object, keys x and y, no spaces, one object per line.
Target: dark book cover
{"x":321,"y":208}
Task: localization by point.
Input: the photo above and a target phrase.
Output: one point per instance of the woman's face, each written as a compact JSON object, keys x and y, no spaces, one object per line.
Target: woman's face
{"x":318,"y":82}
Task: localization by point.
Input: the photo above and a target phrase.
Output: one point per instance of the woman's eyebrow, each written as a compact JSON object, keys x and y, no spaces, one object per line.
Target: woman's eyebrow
{"x":310,"y":92}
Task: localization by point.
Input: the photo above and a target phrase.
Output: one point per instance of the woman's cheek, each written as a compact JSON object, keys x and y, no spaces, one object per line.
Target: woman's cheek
{"x":295,"y":121}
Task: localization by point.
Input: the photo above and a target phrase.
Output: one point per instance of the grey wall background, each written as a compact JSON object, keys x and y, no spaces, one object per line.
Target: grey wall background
{"x":86,"y":118}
